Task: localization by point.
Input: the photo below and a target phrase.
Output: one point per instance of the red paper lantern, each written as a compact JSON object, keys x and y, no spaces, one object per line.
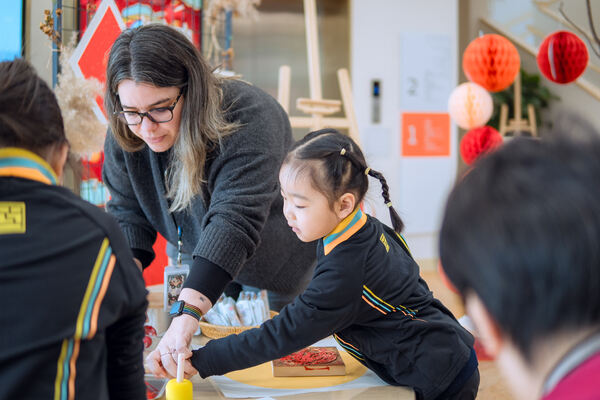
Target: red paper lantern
{"x":492,"y":61}
{"x":562,"y":57}
{"x":478,"y":141}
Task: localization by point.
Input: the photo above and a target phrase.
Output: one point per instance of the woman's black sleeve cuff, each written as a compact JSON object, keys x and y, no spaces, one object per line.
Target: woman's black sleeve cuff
{"x":207,"y":278}
{"x":144,"y":256}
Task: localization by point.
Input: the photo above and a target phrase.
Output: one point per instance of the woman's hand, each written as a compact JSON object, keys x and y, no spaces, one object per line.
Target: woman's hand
{"x":162,"y":362}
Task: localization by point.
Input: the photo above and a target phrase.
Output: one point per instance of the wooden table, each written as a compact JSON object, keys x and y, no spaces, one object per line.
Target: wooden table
{"x":206,"y":389}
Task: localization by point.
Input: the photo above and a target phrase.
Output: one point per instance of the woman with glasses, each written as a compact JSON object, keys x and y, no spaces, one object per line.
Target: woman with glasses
{"x":195,"y":157}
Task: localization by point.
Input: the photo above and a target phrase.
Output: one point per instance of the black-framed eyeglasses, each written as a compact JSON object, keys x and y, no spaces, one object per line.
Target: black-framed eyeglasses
{"x":157,"y":115}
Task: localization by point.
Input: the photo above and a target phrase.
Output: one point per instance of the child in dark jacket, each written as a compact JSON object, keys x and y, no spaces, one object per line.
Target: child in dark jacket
{"x":366,"y":290}
{"x":534,"y":223}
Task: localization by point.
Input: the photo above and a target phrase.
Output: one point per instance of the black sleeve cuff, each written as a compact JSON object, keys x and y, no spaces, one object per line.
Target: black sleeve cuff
{"x":207,"y":278}
{"x":144,"y":256}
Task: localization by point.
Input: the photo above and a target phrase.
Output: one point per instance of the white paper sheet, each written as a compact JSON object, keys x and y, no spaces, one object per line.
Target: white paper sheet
{"x":425,"y":71}
{"x":237,"y":390}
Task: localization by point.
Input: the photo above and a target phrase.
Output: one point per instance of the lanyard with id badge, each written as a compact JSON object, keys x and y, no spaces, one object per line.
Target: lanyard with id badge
{"x":175,"y":275}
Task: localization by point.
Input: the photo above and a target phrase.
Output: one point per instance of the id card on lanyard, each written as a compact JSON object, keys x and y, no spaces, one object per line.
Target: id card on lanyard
{"x":174,"y":277}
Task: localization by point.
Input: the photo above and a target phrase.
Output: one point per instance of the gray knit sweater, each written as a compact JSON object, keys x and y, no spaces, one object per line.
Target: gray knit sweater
{"x":237,"y":223}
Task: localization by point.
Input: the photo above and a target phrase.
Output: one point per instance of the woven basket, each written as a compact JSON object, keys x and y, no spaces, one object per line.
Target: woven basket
{"x":220,"y":331}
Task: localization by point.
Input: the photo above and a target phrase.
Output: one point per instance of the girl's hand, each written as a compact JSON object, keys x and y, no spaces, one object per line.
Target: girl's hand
{"x":162,"y":362}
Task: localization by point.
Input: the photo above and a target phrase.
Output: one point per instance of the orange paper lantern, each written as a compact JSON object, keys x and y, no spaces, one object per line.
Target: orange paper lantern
{"x":491,"y":61}
{"x":562,"y":57}
{"x":470,"y":105}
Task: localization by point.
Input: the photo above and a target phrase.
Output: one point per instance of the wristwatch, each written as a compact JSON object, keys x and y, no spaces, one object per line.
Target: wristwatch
{"x":181,"y":307}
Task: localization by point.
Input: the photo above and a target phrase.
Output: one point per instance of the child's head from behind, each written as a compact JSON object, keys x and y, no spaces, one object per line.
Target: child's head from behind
{"x":29,"y":114}
{"x":324,"y":178}
{"x":30,"y":117}
{"x":520,"y":239}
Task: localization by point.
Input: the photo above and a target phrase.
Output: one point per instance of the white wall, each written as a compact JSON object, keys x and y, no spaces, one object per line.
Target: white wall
{"x":38,"y":45}
{"x":419,"y":186}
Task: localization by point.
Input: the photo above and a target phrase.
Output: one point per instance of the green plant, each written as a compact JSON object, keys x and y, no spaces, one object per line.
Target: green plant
{"x":532,"y":92}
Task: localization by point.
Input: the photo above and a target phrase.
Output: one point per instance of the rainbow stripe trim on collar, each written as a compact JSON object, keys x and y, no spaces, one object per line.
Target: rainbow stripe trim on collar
{"x":23,"y":163}
{"x":348,"y":227}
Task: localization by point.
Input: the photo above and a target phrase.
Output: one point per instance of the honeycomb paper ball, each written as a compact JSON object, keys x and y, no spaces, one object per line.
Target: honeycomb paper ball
{"x":491,"y":61}
{"x":470,"y":105}
{"x":562,"y":57}
{"x":478,"y":141}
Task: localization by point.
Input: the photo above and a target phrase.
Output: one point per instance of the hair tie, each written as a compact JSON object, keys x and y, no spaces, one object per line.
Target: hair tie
{"x":342,"y":151}
{"x":367,"y":170}
{"x":389,"y":204}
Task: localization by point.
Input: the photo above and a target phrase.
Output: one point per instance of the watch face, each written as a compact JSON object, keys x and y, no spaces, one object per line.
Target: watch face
{"x":176,"y":308}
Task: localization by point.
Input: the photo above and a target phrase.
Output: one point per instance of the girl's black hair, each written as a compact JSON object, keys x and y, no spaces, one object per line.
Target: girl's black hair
{"x":339,"y":167}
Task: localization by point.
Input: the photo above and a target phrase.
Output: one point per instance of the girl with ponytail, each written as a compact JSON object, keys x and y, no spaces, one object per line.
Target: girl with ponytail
{"x":366,"y":290}
{"x":343,"y":168}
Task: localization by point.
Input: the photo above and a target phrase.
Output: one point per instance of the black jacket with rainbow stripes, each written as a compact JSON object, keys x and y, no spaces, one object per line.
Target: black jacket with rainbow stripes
{"x":367,"y":292}
{"x":73,"y":301}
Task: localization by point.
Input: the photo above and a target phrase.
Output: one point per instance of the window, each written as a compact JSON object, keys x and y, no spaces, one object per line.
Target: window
{"x":11,"y":30}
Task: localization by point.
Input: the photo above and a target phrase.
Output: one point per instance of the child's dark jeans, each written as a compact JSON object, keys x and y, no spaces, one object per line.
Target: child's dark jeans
{"x":465,"y":385}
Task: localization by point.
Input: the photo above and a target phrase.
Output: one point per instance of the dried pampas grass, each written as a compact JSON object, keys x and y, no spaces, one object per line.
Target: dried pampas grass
{"x":76,"y":97}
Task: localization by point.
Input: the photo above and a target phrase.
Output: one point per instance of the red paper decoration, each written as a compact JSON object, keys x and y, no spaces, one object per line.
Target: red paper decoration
{"x":183,"y":14}
{"x":562,"y":57}
{"x":492,"y":61}
{"x":310,"y":356}
{"x":478,"y":141}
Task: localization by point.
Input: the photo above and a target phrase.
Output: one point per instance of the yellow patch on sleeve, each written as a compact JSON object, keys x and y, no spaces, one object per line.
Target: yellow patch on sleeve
{"x":385,"y":243}
{"x":12,"y":217}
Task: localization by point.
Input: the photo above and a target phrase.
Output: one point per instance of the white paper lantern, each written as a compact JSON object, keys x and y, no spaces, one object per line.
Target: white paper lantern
{"x":470,"y":106}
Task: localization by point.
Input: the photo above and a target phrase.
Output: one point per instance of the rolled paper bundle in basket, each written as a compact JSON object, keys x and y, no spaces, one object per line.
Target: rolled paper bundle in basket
{"x":219,"y":331}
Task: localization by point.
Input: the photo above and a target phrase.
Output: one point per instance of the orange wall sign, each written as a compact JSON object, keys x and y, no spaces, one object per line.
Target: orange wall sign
{"x":425,"y":135}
